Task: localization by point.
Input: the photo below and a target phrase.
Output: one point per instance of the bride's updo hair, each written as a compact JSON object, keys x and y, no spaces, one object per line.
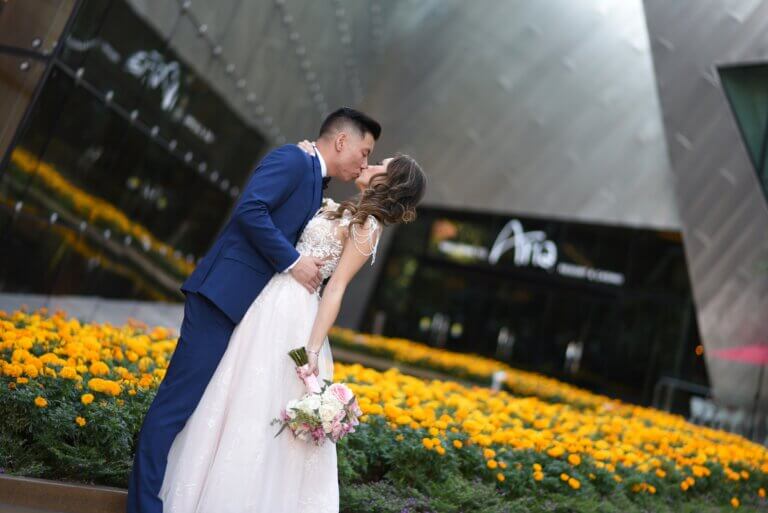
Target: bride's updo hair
{"x":390,"y":197}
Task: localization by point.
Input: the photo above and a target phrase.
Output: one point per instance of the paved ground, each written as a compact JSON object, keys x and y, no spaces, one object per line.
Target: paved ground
{"x":96,"y":309}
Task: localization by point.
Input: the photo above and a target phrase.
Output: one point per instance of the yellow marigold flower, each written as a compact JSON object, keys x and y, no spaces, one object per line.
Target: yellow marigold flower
{"x":80,"y":421}
{"x":574,"y":459}
{"x":104,"y":386}
{"x":660,"y":472}
{"x":403,"y":419}
{"x":488,"y":453}
{"x":434,"y":431}
{"x":13,"y":370}
{"x":761,"y":492}
{"x":684,"y":486}
{"x":21,"y":380}
{"x":504,"y":465}
{"x":492,"y":464}
{"x":427,"y":442}
{"x":574,"y":483}
{"x":651,"y":489}
{"x":537,"y":467}
{"x":538,"y":475}
{"x":99,"y":369}
{"x":735,"y":502}
{"x":133,"y":392}
{"x":86,"y":399}
{"x":458,"y":444}
{"x":556,"y":451}
{"x":440,"y":450}
{"x":40,"y":402}
{"x":30,"y":370}
{"x":564,"y":477}
{"x":399,"y":438}
{"x":500,"y":477}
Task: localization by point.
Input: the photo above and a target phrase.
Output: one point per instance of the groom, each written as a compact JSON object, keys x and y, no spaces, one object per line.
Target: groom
{"x":257,"y":241}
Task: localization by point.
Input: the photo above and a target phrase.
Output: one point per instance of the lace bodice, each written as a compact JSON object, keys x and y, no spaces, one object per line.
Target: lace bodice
{"x":324,"y":238}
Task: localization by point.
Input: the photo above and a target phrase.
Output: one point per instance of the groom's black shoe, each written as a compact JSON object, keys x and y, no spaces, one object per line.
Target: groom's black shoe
{"x":326,"y":179}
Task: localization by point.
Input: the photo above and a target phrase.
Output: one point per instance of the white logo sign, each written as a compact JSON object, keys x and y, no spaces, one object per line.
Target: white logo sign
{"x":531,"y":249}
{"x":158,"y":74}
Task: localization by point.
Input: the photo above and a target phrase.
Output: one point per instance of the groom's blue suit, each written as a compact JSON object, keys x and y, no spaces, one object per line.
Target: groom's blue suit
{"x":257,"y":241}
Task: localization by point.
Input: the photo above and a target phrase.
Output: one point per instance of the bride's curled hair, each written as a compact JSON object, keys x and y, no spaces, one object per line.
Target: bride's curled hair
{"x":390,"y":197}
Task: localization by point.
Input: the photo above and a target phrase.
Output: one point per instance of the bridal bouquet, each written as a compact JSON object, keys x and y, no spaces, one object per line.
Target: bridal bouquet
{"x":325,"y":412}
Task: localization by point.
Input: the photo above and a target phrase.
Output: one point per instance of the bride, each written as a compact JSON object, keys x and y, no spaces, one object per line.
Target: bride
{"x":226,"y":458}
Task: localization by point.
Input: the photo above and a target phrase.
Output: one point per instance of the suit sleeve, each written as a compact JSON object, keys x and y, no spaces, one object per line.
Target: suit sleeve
{"x":273,"y":181}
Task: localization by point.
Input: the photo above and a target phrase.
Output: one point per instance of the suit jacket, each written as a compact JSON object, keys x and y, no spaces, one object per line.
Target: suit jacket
{"x":260,"y":236}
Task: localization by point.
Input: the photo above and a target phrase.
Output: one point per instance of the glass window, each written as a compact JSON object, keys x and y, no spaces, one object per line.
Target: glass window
{"x":747,"y":90}
{"x":97,"y":202}
{"x":517,"y":311}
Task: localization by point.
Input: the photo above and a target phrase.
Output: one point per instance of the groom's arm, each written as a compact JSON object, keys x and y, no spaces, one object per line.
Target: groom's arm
{"x":277,"y":176}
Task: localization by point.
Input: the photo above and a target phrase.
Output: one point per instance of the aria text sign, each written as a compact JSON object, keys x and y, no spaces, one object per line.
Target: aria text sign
{"x":531,"y":249}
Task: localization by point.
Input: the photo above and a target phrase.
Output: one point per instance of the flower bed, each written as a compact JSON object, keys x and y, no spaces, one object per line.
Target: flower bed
{"x":470,"y":367}
{"x":72,"y":397}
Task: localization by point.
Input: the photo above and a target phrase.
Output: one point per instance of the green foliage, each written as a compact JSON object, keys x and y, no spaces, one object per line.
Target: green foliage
{"x":48,"y":443}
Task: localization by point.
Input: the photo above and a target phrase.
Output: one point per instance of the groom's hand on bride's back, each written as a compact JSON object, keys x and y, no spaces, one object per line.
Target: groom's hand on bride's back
{"x":307,"y":272}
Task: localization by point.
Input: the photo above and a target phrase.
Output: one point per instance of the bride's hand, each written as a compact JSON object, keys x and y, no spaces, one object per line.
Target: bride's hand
{"x":312,"y":362}
{"x":307,"y":147}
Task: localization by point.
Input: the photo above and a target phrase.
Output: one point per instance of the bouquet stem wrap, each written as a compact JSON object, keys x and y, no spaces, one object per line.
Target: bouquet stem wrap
{"x":299,"y":356}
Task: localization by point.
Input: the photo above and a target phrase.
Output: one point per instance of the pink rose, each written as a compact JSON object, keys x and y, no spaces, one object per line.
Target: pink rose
{"x":341,"y":392}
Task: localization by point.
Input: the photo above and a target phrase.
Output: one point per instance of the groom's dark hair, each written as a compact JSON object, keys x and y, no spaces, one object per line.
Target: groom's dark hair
{"x":362,"y":122}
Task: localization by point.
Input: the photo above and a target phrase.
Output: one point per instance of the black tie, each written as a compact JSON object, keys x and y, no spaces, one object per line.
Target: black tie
{"x":326,"y":179}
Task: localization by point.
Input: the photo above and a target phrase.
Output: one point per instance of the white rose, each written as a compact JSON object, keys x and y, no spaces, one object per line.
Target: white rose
{"x":293,"y":403}
{"x":312,"y":402}
{"x":328,"y":411}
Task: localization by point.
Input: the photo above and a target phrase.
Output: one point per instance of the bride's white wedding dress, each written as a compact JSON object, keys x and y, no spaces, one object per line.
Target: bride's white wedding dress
{"x":226,"y":459}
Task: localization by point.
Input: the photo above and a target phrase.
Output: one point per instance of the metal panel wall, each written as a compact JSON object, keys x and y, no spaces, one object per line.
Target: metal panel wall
{"x":722,"y":209}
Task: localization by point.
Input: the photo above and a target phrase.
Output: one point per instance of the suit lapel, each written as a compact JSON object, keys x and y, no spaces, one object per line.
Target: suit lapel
{"x":317,"y":189}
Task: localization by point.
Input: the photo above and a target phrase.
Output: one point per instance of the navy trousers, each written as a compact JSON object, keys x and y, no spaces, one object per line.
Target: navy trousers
{"x":204,"y":336}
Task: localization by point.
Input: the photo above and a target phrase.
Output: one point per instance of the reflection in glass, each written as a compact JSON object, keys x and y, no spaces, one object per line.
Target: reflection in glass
{"x":121,"y":176}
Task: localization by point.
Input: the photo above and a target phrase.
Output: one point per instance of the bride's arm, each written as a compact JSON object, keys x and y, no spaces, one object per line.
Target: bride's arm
{"x":358,"y":247}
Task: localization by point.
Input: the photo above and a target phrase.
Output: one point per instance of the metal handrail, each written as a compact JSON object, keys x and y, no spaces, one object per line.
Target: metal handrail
{"x":673,"y":384}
